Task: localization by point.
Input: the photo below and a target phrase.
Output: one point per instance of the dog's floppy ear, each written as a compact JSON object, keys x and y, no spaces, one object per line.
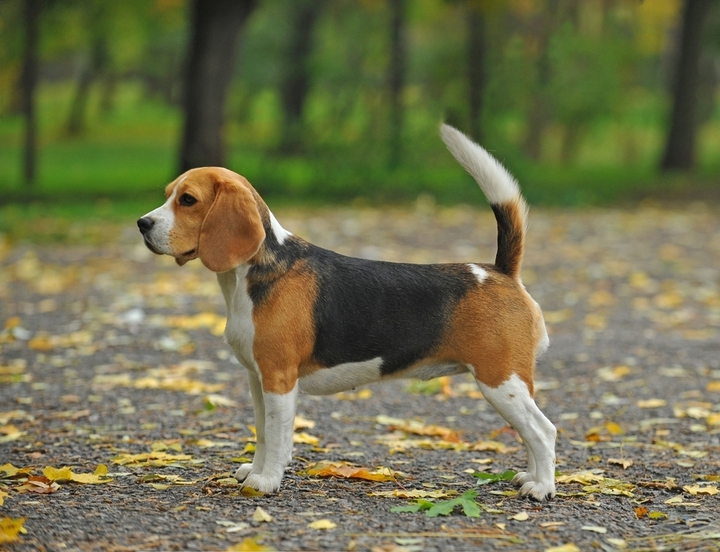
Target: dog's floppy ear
{"x":232,"y":231}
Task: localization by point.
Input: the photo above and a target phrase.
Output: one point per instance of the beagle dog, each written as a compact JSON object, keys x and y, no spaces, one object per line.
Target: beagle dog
{"x":304,"y":319}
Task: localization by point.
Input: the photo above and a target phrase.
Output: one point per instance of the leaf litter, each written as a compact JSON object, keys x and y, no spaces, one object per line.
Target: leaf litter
{"x":659,"y":288}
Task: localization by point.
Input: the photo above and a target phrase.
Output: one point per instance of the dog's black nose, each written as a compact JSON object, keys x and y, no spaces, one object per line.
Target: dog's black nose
{"x":145,"y":224}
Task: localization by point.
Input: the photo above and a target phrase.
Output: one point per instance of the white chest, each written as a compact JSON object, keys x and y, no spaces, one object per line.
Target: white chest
{"x":239,"y":330}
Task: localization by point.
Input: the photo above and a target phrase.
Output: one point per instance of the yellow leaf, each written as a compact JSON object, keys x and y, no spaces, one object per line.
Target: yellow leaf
{"x":713,"y":386}
{"x":348,"y":471}
{"x":10,"y":528}
{"x":652,"y":403}
{"x":302,"y":423}
{"x":569,"y":547}
{"x":3,"y":494}
{"x":584,"y":478}
{"x":520,"y":516}
{"x":414,"y":493}
{"x":12,"y":471}
{"x":249,"y":491}
{"x":594,"y":529}
{"x":322,"y":524}
{"x":614,"y":429}
{"x":250,"y":544}
{"x":700,"y":489}
{"x":261,"y":515}
{"x":54,"y":474}
{"x":305,"y":438}
{"x":625,"y":463}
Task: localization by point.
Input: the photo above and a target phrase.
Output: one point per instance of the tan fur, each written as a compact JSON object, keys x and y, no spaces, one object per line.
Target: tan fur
{"x":493,"y":330}
{"x":224,"y":227}
{"x":284,"y":331}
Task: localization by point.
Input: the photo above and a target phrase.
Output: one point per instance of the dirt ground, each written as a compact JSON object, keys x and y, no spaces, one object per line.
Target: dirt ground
{"x":112,"y":364}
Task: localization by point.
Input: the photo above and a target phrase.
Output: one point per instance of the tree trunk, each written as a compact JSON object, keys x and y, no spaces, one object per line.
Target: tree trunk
{"x":538,"y":116}
{"x":28,"y":84}
{"x":680,"y":146}
{"x":97,"y":64}
{"x":396,"y":79}
{"x":476,"y":69}
{"x":211,"y":55}
{"x":296,"y":77}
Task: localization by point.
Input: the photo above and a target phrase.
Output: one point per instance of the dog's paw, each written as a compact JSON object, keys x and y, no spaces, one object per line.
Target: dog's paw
{"x":538,"y":490}
{"x":262,"y":483}
{"x":243,"y":471}
{"x":520,"y":479}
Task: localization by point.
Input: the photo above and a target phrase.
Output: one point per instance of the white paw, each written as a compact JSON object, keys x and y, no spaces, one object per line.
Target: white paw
{"x":519,"y":480}
{"x":538,"y":490}
{"x":263,"y":483}
{"x":243,"y":471}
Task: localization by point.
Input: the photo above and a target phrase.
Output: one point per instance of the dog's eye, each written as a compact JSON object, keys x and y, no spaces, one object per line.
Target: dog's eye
{"x":187,"y":200}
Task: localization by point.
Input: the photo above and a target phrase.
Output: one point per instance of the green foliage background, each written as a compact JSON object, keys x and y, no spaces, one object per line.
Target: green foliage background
{"x":605,"y":101}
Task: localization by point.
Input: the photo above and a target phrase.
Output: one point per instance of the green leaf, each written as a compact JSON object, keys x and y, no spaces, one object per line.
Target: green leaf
{"x":469,"y":506}
{"x":443,"y":508}
{"x":485,"y":478}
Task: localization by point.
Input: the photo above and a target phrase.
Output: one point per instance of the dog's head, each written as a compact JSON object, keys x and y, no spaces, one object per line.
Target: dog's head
{"x":211,"y":213}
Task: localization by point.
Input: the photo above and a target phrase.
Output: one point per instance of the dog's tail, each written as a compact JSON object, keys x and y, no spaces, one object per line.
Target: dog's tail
{"x":501,"y":191}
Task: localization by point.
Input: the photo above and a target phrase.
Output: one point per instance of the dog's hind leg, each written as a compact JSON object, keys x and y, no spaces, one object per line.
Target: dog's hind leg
{"x":513,"y":402}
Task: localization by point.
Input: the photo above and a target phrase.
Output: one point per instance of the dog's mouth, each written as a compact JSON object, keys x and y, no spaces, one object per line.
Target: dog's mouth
{"x":150,"y":246}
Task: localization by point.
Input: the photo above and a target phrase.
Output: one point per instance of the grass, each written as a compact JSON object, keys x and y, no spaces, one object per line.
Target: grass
{"x":119,"y":167}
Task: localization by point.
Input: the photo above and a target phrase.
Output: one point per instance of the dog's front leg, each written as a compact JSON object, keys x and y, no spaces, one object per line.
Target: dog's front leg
{"x":259,"y":407}
{"x":279,"y":419}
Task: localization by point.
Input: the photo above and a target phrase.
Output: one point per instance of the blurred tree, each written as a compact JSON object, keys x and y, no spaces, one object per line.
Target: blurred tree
{"x":211,"y":53}
{"x":543,"y":26}
{"x":94,"y":69}
{"x":476,"y":67}
{"x":396,"y":79}
{"x":28,"y":85}
{"x":295,"y":79}
{"x":680,"y":144}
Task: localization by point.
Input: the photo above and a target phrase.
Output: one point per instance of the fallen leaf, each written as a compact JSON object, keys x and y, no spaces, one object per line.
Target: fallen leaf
{"x":261,"y":515}
{"x":594,"y":529}
{"x":652,"y":403}
{"x":250,"y":544}
{"x":624,"y":462}
{"x":583,"y":477}
{"x":699,"y":489}
{"x":38,"y":484}
{"x":302,"y":423}
{"x":569,"y":547}
{"x":322,"y":524}
{"x":349,"y":471}
{"x":520,"y":516}
{"x":306,"y":439}
{"x":3,"y":495}
{"x":414,"y":493}
{"x":417,"y":428}
{"x":657,"y":515}
{"x":494,"y":477}
{"x":640,"y":512}
{"x":10,"y":528}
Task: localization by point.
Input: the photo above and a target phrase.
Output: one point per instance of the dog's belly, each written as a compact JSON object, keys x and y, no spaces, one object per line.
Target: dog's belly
{"x":343,"y":377}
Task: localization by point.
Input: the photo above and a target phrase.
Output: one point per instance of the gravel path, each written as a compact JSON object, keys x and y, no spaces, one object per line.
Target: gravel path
{"x":111,"y":357}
